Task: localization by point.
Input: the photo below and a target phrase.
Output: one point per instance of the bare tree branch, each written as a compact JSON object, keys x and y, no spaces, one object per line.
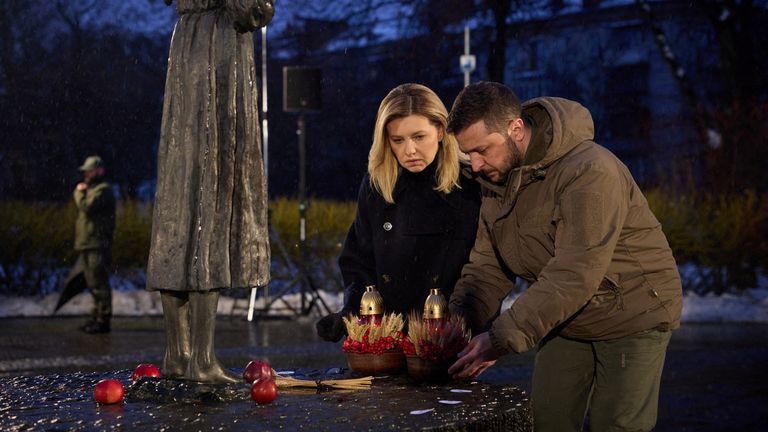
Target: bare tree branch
{"x":700,"y":117}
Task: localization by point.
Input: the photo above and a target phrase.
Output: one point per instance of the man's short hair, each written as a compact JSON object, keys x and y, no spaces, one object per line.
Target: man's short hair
{"x":494,"y":103}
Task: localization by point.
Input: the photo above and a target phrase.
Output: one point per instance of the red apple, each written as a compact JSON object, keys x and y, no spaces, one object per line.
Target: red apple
{"x":257,"y":369}
{"x":264,"y":390}
{"x":145,"y":370}
{"x":108,"y":391}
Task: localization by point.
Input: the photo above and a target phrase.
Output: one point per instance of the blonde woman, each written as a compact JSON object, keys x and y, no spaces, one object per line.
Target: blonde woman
{"x":416,"y":211}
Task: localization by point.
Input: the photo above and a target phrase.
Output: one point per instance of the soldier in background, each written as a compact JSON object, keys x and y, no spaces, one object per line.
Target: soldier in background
{"x":95,"y":225}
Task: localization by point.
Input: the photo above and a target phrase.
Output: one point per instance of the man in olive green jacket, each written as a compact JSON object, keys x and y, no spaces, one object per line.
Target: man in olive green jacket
{"x":565,"y":215}
{"x":95,"y":224}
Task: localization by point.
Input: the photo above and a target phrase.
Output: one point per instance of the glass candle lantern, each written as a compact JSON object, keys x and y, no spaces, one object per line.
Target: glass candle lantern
{"x":371,"y":306}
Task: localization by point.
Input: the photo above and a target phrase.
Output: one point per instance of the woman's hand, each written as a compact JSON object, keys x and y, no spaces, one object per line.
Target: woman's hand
{"x":331,"y":327}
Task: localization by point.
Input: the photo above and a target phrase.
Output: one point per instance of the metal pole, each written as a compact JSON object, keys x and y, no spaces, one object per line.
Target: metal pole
{"x":467,"y":61}
{"x":466,"y":53}
{"x":264,"y":105}
{"x":301,"y":132}
{"x":264,"y":150}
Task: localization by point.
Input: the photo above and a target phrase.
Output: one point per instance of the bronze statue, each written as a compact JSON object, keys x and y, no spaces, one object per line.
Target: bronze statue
{"x":209,"y":227}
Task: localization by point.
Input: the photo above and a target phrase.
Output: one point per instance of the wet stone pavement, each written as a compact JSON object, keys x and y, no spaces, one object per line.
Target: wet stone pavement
{"x":715,"y":379}
{"x":49,"y":371}
{"x":56,"y":402}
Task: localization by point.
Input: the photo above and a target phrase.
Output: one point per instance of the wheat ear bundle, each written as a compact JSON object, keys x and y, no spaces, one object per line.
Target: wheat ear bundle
{"x":363,"y":383}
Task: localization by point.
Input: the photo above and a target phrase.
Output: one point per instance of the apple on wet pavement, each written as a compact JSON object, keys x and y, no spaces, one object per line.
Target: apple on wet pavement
{"x":108,"y":391}
{"x":145,"y":370}
{"x":257,"y":369}
{"x":264,"y":390}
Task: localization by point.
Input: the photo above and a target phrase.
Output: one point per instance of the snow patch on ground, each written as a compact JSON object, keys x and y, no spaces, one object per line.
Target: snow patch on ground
{"x":129,"y":298}
{"x":139,"y":302}
{"x":749,"y":306}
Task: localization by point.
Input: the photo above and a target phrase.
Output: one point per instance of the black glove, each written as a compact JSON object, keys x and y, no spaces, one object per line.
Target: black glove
{"x":331,"y":327}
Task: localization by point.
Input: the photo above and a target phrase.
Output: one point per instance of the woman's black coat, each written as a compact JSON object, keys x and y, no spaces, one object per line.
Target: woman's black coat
{"x":419,"y":242}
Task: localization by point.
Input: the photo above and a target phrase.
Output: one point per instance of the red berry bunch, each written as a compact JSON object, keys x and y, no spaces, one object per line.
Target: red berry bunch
{"x":356,"y":346}
{"x":409,"y":348}
{"x":382,"y":344}
{"x":429,"y":351}
{"x":436,"y":353}
{"x":436,"y":340}
{"x":379,"y":345}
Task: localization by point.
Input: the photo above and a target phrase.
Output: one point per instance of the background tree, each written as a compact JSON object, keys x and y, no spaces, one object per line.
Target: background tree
{"x":732,"y":127}
{"x":74,"y":84}
{"x":497,"y":55}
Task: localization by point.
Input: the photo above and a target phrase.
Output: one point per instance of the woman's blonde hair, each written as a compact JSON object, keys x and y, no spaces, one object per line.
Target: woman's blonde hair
{"x":402,"y":101}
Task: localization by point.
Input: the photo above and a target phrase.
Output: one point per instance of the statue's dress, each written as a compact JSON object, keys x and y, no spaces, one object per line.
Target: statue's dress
{"x":209,"y":227}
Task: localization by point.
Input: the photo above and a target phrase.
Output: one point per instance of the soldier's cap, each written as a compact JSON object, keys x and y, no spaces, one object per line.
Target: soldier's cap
{"x":91,"y":162}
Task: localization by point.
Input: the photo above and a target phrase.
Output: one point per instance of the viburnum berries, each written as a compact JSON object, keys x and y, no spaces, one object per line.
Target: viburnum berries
{"x":378,"y":346}
{"x":372,"y":338}
{"x":436,"y":341}
{"x":408,"y":347}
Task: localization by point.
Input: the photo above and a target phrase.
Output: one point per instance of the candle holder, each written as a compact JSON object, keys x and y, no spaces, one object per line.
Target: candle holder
{"x":375,"y":348}
{"x":371,"y":306}
{"x":430,"y":349}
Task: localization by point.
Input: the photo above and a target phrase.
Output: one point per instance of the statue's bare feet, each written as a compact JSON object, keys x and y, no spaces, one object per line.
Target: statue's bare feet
{"x":213,"y":373}
{"x":175,"y":367}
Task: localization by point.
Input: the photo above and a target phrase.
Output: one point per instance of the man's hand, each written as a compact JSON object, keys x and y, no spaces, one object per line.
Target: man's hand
{"x":82,"y":186}
{"x":475,"y":358}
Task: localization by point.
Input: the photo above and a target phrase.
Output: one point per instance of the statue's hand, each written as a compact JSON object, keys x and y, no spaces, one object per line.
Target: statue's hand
{"x":263,"y":12}
{"x":251,"y":15}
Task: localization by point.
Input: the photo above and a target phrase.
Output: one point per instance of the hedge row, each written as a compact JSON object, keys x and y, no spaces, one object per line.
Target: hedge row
{"x":723,"y":238}
{"x":36,"y":238}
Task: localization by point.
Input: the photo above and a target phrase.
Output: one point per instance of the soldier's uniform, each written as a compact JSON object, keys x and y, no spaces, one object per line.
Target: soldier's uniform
{"x":93,"y":240}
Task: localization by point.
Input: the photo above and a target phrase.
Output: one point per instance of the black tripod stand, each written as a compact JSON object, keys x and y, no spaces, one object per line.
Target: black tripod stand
{"x":301,"y":93}
{"x":309,"y":291}
{"x":300,"y":279}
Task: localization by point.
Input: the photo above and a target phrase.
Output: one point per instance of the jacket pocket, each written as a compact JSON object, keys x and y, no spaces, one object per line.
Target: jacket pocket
{"x":540,"y":222}
{"x":601,"y":313}
{"x":534,"y":241}
{"x":611,"y":289}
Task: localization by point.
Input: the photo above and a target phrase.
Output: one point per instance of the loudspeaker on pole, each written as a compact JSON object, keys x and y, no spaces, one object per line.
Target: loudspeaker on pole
{"x":301,"y":89}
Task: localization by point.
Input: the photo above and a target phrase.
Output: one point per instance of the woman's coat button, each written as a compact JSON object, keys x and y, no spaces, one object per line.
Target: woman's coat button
{"x":387,"y":226}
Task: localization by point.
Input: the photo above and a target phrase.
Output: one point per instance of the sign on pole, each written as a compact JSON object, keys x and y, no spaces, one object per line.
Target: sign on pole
{"x":467,"y":62}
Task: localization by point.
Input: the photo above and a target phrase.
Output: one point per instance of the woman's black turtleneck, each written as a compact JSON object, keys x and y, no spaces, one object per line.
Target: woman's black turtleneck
{"x":422,"y":181}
